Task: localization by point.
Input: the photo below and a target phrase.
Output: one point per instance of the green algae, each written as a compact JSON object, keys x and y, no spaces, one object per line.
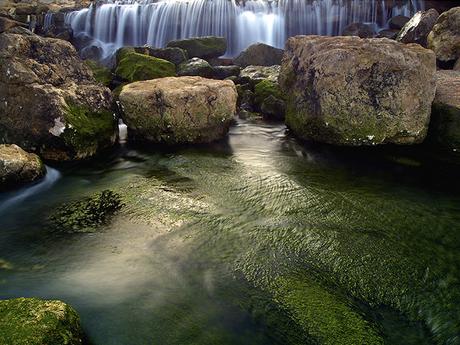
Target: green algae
{"x":101,"y":73}
{"x":32,"y":321}
{"x":88,"y":130}
{"x":88,"y":214}
{"x":134,"y":67}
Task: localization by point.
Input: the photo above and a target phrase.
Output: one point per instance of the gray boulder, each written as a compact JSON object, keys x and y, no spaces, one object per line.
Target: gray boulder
{"x":418,"y":27}
{"x":259,"y":54}
{"x":255,"y":74}
{"x":195,"y":67}
{"x":352,"y":91}
{"x":222,"y":72}
{"x":397,"y":22}
{"x":360,"y":30}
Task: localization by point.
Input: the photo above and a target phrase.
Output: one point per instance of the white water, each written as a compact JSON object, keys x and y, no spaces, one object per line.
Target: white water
{"x":113,"y":25}
{"x":18,"y":196}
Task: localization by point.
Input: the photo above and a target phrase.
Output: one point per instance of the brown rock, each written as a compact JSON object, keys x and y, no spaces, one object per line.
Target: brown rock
{"x":352,"y":91}
{"x":444,"y":39}
{"x":178,"y":109}
{"x":418,"y":27}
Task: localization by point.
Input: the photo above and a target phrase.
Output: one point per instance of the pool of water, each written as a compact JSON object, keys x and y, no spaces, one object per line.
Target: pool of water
{"x":257,"y":239}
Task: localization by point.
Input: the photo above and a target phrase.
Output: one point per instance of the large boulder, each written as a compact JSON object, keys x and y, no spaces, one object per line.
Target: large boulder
{"x":444,"y":39}
{"x":34,"y":321}
{"x":202,"y":47}
{"x":445,"y":118}
{"x":352,"y":91}
{"x":178,"y":110}
{"x":17,"y":167}
{"x":133,"y":66}
{"x":195,"y":67}
{"x":359,"y":29}
{"x":259,"y":54}
{"x":7,"y":23}
{"x":418,"y":27}
{"x":49,"y":100}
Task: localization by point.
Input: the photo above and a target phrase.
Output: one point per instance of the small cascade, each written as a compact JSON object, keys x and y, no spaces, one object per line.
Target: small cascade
{"x":155,"y":23}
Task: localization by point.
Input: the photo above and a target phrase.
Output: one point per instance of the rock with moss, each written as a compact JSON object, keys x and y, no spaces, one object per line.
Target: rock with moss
{"x":269,"y":99}
{"x":202,"y":47}
{"x":17,"y":167}
{"x":35,"y":321}
{"x":445,"y":117}
{"x":444,"y":39}
{"x":133,"y":66}
{"x":178,"y":109}
{"x":352,"y":91}
{"x":255,"y":74}
{"x":195,"y":67}
{"x":101,"y":73}
{"x":88,"y":214}
{"x":50,"y":102}
{"x":172,"y":54}
{"x":416,"y":30}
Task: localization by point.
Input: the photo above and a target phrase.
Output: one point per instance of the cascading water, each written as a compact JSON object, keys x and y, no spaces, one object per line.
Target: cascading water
{"x":113,"y":25}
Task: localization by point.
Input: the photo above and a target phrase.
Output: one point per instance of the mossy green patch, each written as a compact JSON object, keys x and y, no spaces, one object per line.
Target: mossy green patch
{"x":134,"y":67}
{"x":88,"y":131}
{"x":87,"y":214}
{"x":265,"y":89}
{"x":32,"y":321}
{"x":101,"y":74}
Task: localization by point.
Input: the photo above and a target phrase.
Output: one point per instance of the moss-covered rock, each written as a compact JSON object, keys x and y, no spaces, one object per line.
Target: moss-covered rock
{"x":195,"y":67}
{"x":33,"y":321}
{"x":18,"y":167}
{"x":178,"y":110}
{"x":101,"y":73}
{"x":202,"y":47}
{"x":88,"y":214}
{"x":269,"y":99}
{"x":134,"y":67}
{"x":50,"y":102}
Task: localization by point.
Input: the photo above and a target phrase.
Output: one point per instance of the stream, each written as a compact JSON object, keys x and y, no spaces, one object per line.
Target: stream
{"x":256,"y":239}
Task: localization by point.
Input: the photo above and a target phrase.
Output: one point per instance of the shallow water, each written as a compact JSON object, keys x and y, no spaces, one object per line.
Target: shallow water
{"x":236,"y":242}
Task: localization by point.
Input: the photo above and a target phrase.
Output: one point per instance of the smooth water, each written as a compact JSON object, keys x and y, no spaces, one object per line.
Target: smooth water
{"x":257,"y":239}
{"x":113,"y":25}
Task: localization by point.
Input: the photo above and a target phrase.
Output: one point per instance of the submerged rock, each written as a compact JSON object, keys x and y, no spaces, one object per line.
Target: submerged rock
{"x":195,"y":67}
{"x":49,"y":100}
{"x":202,"y":47}
{"x":18,"y":167}
{"x":445,"y":117}
{"x":444,"y":39}
{"x":88,"y":214}
{"x":418,"y":27}
{"x":178,"y":110}
{"x":259,"y":54}
{"x":352,"y":91}
{"x":359,"y":29}
{"x":34,"y":321}
{"x":133,"y":66}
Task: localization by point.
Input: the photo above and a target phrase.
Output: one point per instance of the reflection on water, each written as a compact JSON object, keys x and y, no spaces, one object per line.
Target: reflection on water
{"x":210,"y":233}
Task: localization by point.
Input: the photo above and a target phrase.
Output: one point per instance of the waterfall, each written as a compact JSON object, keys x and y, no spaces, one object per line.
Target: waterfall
{"x":155,"y":23}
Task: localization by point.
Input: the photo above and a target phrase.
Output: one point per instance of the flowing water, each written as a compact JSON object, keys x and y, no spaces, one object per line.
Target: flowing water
{"x":114,"y":25}
{"x":257,"y":239}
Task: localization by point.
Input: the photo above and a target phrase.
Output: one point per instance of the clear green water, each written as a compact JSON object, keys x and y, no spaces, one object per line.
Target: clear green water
{"x":259,"y":239}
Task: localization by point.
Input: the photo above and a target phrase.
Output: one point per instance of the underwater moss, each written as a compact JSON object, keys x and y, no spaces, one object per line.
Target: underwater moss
{"x":88,"y":214}
{"x":33,"y":321}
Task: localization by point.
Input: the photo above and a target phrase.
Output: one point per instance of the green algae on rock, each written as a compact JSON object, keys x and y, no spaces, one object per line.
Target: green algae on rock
{"x":202,"y":47}
{"x":133,"y":66}
{"x":33,"y":321}
{"x":88,"y":214}
{"x":101,"y":73}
